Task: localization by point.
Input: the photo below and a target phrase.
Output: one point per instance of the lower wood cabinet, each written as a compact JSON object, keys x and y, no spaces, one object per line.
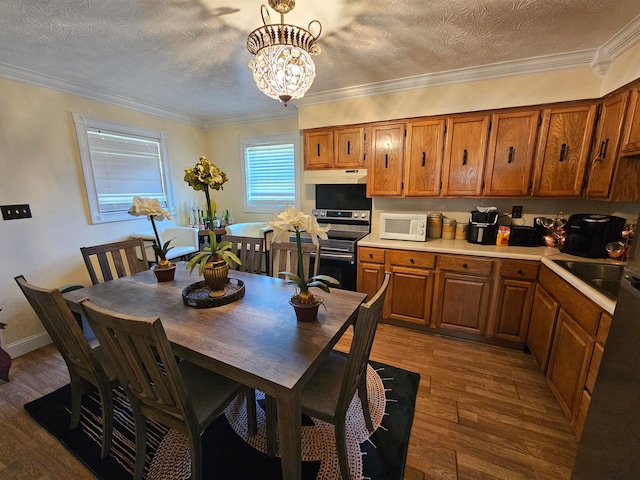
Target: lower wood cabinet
{"x":464,"y":293}
{"x":542,"y":324}
{"x":370,"y":270}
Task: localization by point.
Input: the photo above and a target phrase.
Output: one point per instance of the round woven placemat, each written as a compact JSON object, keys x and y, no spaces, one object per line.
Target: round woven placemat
{"x":197,"y":294}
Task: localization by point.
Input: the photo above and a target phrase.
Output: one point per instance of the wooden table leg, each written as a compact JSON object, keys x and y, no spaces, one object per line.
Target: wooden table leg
{"x":290,"y":426}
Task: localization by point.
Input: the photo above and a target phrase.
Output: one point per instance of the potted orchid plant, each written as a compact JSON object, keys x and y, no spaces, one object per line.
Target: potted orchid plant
{"x":151,"y":208}
{"x":295,"y":221}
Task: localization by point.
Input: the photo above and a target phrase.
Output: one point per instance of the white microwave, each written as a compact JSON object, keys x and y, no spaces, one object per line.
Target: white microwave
{"x":403,"y":226}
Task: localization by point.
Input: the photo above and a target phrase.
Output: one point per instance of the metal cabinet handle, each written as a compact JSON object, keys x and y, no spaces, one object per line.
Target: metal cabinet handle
{"x":464,"y":157}
{"x":371,"y":255}
{"x":348,"y":147}
{"x":563,"y":152}
{"x":603,"y":148}
{"x":520,"y":271}
{"x":386,"y":160}
{"x":511,"y":154}
{"x":424,"y":158}
{"x":411,"y":260}
{"x":318,"y":149}
{"x":464,"y":265}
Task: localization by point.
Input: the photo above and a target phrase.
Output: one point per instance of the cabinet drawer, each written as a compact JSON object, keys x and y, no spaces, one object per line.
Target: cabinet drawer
{"x":460,"y":263}
{"x":370,"y":255}
{"x":519,"y":269}
{"x":411,"y":259}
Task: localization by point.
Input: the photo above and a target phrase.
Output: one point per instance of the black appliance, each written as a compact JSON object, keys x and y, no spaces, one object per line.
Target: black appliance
{"x":523,"y":236}
{"x":348,"y":210}
{"x":483,"y":227}
{"x":610,"y":440}
{"x":587,"y":234}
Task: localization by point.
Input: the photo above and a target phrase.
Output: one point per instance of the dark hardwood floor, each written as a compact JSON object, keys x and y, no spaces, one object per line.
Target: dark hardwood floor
{"x":482,"y":412}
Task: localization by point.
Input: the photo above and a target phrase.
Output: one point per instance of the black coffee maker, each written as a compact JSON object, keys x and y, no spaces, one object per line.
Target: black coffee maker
{"x":587,"y":234}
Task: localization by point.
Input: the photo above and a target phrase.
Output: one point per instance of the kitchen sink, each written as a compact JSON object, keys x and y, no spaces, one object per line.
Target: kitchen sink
{"x":604,"y":277}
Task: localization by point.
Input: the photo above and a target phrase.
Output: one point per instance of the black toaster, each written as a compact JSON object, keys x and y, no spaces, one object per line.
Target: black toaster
{"x":524,"y":236}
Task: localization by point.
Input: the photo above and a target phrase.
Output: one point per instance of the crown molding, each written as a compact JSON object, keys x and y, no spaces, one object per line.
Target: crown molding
{"x":288,"y":112}
{"x":40,"y":80}
{"x":624,"y":39}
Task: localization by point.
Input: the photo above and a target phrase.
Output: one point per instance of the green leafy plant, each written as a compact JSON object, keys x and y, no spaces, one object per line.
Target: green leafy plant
{"x":215,"y":249}
{"x":294,"y":220}
{"x":151,"y":208}
{"x":205,"y":175}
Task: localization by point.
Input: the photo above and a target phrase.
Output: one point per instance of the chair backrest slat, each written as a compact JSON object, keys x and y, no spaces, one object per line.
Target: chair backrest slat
{"x":144,"y":363}
{"x":250,"y":250}
{"x":363,"y":336}
{"x":112,"y":254}
{"x":284,"y":258}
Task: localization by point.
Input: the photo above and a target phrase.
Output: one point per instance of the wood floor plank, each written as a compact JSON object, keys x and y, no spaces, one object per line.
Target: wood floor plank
{"x":482,"y":412}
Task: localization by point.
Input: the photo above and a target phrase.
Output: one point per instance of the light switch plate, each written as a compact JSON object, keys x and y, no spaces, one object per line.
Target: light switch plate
{"x":12,"y":212}
{"x":516,"y":211}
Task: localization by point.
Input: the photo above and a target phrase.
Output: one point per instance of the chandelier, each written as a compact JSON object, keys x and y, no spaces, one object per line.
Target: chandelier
{"x":282,"y":67}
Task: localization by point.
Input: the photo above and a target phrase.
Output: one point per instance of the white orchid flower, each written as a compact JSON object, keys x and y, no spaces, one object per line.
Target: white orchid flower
{"x":150,"y":207}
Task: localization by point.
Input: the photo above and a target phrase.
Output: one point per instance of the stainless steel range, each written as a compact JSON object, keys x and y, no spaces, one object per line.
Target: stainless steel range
{"x":338,"y":253}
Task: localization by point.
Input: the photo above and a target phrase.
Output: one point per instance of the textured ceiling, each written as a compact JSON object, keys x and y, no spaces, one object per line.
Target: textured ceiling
{"x":188,"y":58}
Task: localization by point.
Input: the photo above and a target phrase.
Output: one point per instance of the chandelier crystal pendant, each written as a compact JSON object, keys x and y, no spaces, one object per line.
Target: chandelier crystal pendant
{"x":282,"y":67}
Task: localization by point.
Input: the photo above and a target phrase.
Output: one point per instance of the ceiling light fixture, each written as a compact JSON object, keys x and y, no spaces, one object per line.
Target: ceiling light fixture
{"x":283,"y":68}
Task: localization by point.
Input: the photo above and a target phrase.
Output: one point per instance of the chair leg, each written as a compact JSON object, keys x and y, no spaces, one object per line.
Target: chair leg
{"x":196,"y":456}
{"x":250,"y":398}
{"x":76,"y":401}
{"x":106,"y":402}
{"x":140,"y":423}
{"x":364,"y":401}
{"x":341,"y":446}
{"x":272,"y":423}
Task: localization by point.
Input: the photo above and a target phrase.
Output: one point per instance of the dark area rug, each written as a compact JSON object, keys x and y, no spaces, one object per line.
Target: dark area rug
{"x":226,"y":454}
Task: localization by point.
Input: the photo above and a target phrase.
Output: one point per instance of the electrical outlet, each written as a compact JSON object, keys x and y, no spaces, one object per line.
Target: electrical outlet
{"x":12,"y":212}
{"x":516,"y":211}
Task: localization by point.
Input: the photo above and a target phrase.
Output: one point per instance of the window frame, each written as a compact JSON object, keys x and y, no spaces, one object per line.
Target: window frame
{"x":82,"y":124}
{"x":283,"y":138}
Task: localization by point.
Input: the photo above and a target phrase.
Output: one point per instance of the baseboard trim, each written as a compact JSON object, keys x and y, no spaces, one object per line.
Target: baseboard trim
{"x":29,"y":344}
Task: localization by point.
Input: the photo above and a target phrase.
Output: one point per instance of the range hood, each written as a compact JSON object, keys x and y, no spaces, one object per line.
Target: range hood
{"x":320,"y":177}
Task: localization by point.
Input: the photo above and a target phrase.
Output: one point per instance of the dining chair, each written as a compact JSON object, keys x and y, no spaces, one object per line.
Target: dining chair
{"x":126,"y":257}
{"x":178,"y":394}
{"x":284,"y":258}
{"x":250,"y":251}
{"x":85,"y":364}
{"x":329,"y":391}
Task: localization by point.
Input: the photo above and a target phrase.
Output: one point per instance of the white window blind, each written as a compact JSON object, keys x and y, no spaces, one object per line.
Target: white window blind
{"x":270,"y":172}
{"x":119,"y":163}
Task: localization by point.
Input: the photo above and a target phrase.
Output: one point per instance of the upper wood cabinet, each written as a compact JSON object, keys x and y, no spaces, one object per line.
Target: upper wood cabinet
{"x":423,"y":160}
{"x":510,"y":154}
{"x":465,"y":152}
{"x":385,"y":168}
{"x":334,"y":148}
{"x":605,"y":146}
{"x":563,"y":149}
{"x":631,"y":137}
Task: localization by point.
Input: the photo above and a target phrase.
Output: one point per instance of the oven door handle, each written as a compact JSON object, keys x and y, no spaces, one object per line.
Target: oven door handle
{"x":343,"y":257}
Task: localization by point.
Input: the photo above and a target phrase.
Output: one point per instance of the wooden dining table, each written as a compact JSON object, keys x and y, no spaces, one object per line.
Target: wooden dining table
{"x":255,"y":340}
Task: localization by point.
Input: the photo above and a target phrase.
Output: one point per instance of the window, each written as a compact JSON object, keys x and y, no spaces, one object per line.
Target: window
{"x":270,"y":172}
{"x":120,"y":162}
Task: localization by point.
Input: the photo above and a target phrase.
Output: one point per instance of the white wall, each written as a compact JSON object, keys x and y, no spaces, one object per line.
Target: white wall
{"x":40,"y":165}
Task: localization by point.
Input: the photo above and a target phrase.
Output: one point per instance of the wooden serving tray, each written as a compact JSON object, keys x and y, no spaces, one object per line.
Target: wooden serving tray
{"x":197,"y":294}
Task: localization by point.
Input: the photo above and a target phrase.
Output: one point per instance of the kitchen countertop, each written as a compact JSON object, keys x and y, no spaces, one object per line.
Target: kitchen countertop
{"x":546,"y":255}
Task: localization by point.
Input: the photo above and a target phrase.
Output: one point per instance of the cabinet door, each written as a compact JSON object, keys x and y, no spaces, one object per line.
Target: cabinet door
{"x":463,"y":302}
{"x":465,"y":151}
{"x":542,"y":326}
{"x":423,"y":161}
{"x":515,"y":300}
{"x":386,"y":167}
{"x":349,"y":151}
{"x":568,"y":364}
{"x":318,"y":149}
{"x":510,"y":154}
{"x":631,"y":137}
{"x":370,"y":276}
{"x":410,"y":295}
{"x":606,"y":144}
{"x":563,"y":149}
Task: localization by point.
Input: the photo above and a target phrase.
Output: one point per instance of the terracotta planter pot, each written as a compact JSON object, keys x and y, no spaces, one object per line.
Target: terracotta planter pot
{"x":215,"y":276}
{"x":306,"y":313}
{"x":165,"y":274}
